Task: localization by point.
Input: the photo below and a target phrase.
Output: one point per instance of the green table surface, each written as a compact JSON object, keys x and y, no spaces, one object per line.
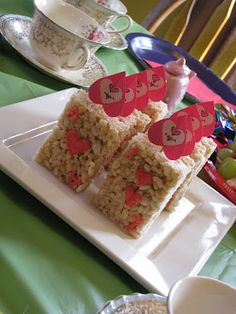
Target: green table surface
{"x":46,"y":266}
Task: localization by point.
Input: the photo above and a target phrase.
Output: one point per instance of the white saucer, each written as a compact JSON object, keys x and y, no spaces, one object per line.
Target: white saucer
{"x":15,"y":29}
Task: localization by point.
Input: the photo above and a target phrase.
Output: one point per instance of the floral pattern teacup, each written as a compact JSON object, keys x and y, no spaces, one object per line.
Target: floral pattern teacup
{"x":104,"y":12}
{"x":62,"y":36}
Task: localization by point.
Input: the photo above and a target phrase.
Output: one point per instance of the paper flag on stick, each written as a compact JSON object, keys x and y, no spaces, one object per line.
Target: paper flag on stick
{"x":130,"y":95}
{"x":192,"y":112}
{"x":206,"y":112}
{"x":156,"y":83}
{"x":109,"y":92}
{"x":142,"y":93}
{"x":171,"y":134}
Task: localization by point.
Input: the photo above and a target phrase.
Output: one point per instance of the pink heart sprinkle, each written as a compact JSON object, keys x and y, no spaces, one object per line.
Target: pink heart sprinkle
{"x":143,"y":177}
{"x":132,"y":197}
{"x":73,"y":179}
{"x":131,"y":153}
{"x":76,"y":145}
{"x":136,"y":221}
{"x":73,"y":113}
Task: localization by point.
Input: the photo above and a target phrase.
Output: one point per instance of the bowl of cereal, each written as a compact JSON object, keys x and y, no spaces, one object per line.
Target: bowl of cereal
{"x":136,"y":303}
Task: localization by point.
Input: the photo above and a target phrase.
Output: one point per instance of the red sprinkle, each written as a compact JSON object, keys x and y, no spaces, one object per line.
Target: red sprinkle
{"x":75,"y":144}
{"x":73,"y":113}
{"x":136,"y":221}
{"x":131,"y":153}
{"x":73,"y":179}
{"x":143,"y":177}
{"x":132,"y":197}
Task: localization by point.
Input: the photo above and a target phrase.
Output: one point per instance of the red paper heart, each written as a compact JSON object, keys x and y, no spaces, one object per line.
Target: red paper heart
{"x":143,"y":177}
{"x":132,"y":197}
{"x":156,"y":83}
{"x":76,"y":145}
{"x":142,"y":90}
{"x":130,"y":95}
{"x":110,"y":92}
{"x":160,"y":133}
{"x":206,"y":112}
{"x":192,"y":112}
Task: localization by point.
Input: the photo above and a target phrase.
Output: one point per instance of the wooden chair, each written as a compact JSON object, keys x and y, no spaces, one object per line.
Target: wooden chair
{"x":206,"y":29}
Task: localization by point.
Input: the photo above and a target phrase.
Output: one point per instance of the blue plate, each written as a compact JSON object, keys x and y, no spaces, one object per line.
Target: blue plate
{"x":143,"y":46}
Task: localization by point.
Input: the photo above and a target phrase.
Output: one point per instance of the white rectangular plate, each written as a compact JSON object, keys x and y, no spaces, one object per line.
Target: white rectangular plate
{"x":177,"y":244}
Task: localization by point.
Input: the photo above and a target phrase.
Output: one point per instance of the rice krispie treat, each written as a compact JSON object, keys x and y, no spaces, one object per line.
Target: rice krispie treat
{"x":202,"y":151}
{"x":85,"y":140}
{"x":139,"y":184}
{"x":156,"y":110}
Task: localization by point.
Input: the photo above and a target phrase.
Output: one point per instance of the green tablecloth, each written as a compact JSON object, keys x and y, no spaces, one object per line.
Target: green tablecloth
{"x":45,"y":266}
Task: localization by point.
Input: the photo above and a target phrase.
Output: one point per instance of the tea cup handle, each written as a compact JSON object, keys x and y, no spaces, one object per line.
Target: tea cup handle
{"x":79,"y":61}
{"x":128,"y":18}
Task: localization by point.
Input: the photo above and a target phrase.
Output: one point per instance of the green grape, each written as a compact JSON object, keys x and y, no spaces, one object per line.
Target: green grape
{"x":233,"y":146}
{"x":224,"y":153}
{"x":227,"y":169}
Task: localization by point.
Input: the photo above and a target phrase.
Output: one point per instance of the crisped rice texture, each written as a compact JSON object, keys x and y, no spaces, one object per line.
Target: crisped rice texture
{"x":138,"y":186}
{"x":87,"y":122}
{"x":156,"y":110}
{"x":203,"y":150}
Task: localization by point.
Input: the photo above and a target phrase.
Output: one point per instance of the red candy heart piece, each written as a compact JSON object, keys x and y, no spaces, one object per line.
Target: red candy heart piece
{"x":73,"y":113}
{"x":73,"y":180}
{"x":132,"y":197}
{"x":143,"y":177}
{"x":75,"y":144}
{"x":131,"y":153}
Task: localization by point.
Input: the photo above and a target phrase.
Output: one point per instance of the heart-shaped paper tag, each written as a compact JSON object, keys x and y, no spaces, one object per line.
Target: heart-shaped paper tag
{"x":110,"y":92}
{"x":191,"y":123}
{"x":142,"y":93}
{"x":130,"y":95}
{"x":192,"y":112}
{"x":206,"y":112}
{"x":156,"y":83}
{"x":171,"y":134}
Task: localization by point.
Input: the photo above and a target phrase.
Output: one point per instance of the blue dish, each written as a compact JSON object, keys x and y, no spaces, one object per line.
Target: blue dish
{"x":143,"y":46}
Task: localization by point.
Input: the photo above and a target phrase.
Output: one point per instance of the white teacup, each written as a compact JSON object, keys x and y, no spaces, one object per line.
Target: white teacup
{"x":104,"y":12}
{"x":62,"y":35}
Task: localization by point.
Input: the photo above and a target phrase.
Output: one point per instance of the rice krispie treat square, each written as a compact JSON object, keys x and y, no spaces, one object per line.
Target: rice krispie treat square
{"x":85,"y":140}
{"x":202,"y":151}
{"x":156,"y":110}
{"x":139,"y":184}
